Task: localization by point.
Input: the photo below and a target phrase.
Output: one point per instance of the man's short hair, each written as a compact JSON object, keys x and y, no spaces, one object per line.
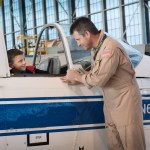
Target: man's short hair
{"x":12,"y":53}
{"x":83,"y":24}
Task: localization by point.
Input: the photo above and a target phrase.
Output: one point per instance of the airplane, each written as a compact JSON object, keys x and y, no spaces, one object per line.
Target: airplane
{"x":40,"y":112}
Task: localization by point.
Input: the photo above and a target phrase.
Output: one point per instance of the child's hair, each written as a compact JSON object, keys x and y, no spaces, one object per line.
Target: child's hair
{"x":12,"y":53}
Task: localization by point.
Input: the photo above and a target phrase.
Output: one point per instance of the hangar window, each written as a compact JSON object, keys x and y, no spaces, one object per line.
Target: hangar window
{"x":80,"y":8}
{"x":7,"y":20}
{"x":50,"y":11}
{"x":29,"y":17}
{"x":133,"y":24}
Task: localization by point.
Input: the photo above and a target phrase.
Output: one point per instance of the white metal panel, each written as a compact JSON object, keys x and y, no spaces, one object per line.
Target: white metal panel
{"x":3,"y":143}
{"x":41,"y":86}
{"x":143,"y":68}
{"x":91,"y":140}
{"x":62,"y":141}
{"x":147,"y":135}
{"x":4,"y":68}
{"x":42,"y":147}
{"x":17,"y":142}
{"x":75,"y":140}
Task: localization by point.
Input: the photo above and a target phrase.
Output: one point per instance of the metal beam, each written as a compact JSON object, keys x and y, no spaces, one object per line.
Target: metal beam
{"x":3,"y":19}
{"x":12,"y":21}
{"x":122,"y":19}
{"x":22,"y":13}
{"x":147,"y":21}
{"x":143,"y":22}
{"x":34,"y":16}
{"x":104,"y":16}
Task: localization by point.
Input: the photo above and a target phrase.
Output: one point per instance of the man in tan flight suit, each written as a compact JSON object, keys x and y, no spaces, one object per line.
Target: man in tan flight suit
{"x":113,"y":72}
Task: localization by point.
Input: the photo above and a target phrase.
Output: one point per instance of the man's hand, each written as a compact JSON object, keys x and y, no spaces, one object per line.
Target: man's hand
{"x":72,"y":77}
{"x":71,"y":82}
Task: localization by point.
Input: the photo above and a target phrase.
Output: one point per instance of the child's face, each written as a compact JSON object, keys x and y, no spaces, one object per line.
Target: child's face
{"x":19,"y":63}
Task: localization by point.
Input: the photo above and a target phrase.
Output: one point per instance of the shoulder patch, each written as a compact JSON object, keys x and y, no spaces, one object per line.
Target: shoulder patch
{"x":106,"y":53}
{"x":97,"y":61}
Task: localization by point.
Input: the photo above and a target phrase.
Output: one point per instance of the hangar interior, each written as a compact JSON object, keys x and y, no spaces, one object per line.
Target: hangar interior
{"x":40,"y":112}
{"x":22,"y":20}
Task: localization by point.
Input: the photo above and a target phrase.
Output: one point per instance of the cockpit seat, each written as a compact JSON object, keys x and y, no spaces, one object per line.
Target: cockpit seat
{"x":54,"y":66}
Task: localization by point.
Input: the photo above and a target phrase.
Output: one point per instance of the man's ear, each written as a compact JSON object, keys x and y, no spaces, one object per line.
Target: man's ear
{"x":87,"y":34}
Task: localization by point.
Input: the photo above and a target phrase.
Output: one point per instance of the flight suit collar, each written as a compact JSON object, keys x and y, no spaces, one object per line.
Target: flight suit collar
{"x":102,"y":37}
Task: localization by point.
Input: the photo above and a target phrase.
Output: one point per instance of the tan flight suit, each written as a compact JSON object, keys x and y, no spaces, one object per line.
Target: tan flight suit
{"x":113,"y":72}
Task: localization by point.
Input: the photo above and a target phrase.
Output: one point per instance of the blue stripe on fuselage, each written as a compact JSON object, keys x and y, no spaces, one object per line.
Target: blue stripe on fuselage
{"x":39,"y":115}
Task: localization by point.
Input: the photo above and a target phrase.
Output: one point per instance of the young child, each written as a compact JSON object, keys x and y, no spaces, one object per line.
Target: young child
{"x":17,"y":63}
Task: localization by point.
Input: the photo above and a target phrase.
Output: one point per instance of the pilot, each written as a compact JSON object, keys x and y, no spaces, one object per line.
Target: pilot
{"x":17,"y":63}
{"x":113,"y":72}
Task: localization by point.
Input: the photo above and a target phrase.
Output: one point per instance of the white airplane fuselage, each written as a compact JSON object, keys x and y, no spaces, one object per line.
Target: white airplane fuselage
{"x":44,"y":113}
